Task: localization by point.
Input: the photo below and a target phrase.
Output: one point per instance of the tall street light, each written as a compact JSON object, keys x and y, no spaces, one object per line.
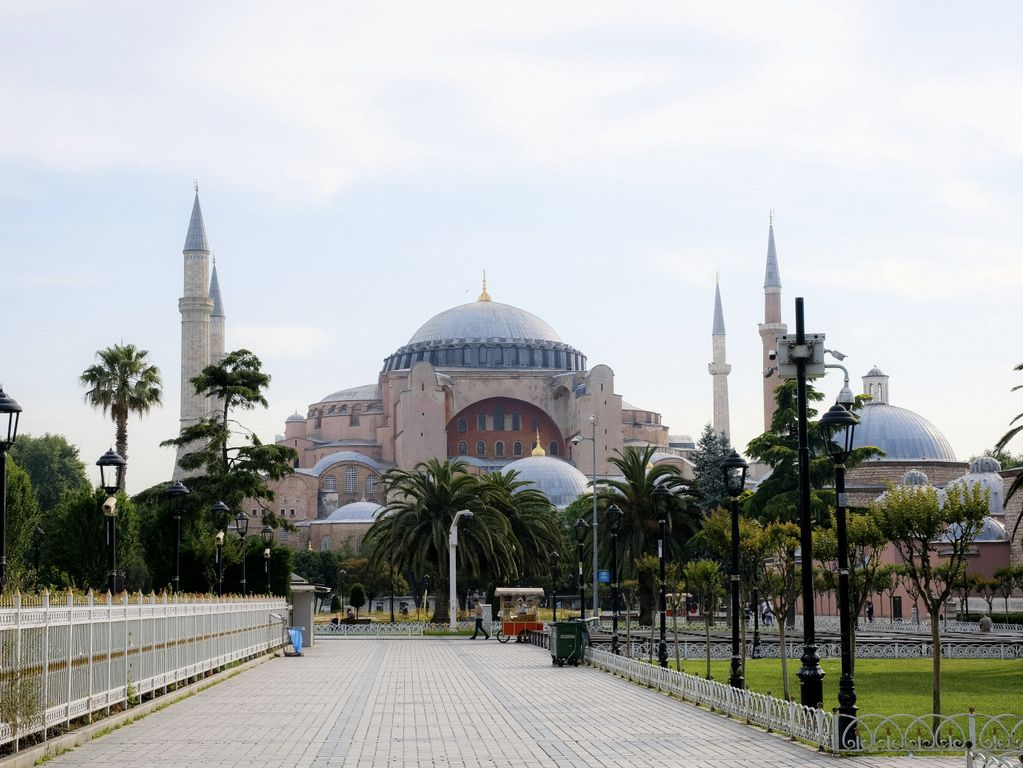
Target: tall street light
{"x":110,"y":467}
{"x":841,"y":423}
{"x":581,"y":526}
{"x":342,"y":574}
{"x":614,"y":524}
{"x":220,"y":511}
{"x":734,"y":470}
{"x":241,"y":525}
{"x":10,"y":412}
{"x":452,"y":549}
{"x":174,"y":494}
{"x":553,"y":560}
{"x":662,"y":497}
{"x":267,"y":535}
{"x":593,"y":523}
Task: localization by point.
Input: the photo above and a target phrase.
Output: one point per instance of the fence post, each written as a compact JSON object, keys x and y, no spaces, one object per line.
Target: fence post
{"x":17,"y":649}
{"x":819,"y":717}
{"x":969,"y":754}
{"x":973,"y":725}
{"x":70,"y":652}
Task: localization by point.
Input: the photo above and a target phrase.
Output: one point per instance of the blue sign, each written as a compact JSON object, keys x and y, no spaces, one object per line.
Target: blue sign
{"x":604,"y":577}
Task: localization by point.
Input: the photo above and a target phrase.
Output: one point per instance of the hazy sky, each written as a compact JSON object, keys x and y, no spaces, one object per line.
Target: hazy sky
{"x":361,"y":164}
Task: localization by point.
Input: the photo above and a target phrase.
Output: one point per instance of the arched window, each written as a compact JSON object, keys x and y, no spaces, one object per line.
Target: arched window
{"x":481,"y":448}
{"x":499,"y":448}
{"x":517,"y":449}
{"x":371,"y":485}
{"x":463,"y":424}
{"x":554,"y":449}
{"x":463,"y":448}
{"x":330,"y":483}
{"x":325,"y":544}
{"x":351,"y":480}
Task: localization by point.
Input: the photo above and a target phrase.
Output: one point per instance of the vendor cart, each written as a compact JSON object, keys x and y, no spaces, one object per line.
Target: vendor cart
{"x":519,"y":612}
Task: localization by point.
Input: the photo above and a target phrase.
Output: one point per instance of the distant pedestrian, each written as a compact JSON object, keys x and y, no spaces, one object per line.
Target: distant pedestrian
{"x":767,"y":615}
{"x":870,"y":612}
{"x":477,"y":612}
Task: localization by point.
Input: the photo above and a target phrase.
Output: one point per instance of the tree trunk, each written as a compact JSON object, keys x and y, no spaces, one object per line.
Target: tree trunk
{"x":936,"y":669}
{"x":674,"y":626}
{"x":440,"y":602}
{"x":783,"y":653}
{"x":122,"y":448}
{"x":706,"y":637}
{"x":628,"y":628}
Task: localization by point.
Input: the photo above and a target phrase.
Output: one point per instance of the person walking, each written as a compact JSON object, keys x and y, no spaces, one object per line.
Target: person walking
{"x":870,"y":612}
{"x":477,"y":612}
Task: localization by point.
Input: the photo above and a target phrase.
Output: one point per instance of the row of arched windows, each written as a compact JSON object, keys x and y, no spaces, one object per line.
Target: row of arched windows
{"x":351,"y":482}
{"x":499,"y":448}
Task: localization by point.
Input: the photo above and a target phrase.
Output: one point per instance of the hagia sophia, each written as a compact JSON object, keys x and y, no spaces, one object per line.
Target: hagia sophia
{"x":497,"y":387}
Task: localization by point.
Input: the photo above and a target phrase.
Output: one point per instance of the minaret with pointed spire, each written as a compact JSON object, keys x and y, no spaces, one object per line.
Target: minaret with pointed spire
{"x":196,"y":307}
{"x":719,"y":369}
{"x":217,"y":318}
{"x":772,"y":327}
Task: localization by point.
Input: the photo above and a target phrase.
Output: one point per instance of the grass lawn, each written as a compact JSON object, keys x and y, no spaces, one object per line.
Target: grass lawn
{"x":891,"y":686}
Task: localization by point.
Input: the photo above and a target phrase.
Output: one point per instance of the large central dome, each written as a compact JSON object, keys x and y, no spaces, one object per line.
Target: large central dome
{"x":487,"y":334}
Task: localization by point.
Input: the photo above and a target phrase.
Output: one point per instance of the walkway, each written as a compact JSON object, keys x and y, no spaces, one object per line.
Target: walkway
{"x":442,"y":703}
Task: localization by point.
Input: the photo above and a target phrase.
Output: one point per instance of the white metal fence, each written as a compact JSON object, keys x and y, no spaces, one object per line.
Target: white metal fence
{"x":62,"y":659}
{"x":906,"y":649}
{"x":977,"y":759}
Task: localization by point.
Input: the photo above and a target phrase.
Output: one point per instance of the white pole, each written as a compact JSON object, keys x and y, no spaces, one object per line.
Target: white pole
{"x":452,"y":587}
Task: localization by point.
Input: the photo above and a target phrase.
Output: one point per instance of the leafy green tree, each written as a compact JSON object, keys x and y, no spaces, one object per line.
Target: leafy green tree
{"x":335,"y":603}
{"x":711,"y":450}
{"x":705,"y":580}
{"x":52,"y":464}
{"x":122,"y":383}
{"x":1009,"y":577}
{"x":1015,"y":426}
{"x":781,"y":582}
{"x":987,"y":589}
{"x":919,"y":523}
{"x":235,"y":463}
{"x":22,"y":519}
{"x":357,"y":597}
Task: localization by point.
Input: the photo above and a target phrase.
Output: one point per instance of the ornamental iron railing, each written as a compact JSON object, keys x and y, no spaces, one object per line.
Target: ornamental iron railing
{"x":977,"y":759}
{"x":65,"y":659}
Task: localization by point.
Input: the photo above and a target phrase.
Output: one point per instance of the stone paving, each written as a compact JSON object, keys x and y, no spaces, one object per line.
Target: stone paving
{"x":443,"y":703}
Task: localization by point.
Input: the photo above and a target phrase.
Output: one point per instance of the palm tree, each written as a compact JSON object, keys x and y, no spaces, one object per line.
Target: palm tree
{"x":634,"y":495}
{"x":1017,"y":483}
{"x":122,"y":383}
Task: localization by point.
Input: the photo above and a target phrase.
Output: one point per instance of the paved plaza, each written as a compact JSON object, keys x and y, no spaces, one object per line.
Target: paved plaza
{"x":442,"y":703}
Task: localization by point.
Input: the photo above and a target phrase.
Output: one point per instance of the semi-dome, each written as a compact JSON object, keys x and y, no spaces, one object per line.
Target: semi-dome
{"x":556,"y":479}
{"x":364,"y":392}
{"x":487,"y":334}
{"x":355,"y":512}
{"x":341,"y":457}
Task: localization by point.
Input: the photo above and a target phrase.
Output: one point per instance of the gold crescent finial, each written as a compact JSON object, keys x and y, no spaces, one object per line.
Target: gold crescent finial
{"x":484,"y":296}
{"x":537,"y":450}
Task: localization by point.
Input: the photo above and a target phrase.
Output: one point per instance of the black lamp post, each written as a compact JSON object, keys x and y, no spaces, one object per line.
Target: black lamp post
{"x":110,"y":467}
{"x":734,"y":470}
{"x":756,"y":617}
{"x":581,"y":527}
{"x":174,"y":493}
{"x":614,"y":523}
{"x":662,"y":497}
{"x":553,"y":560}
{"x":841,"y":424}
{"x":390,"y":569}
{"x":241,"y":525}
{"x":267,"y":535}
{"x":220,"y":510}
{"x":10,"y":412}
{"x":37,"y":543}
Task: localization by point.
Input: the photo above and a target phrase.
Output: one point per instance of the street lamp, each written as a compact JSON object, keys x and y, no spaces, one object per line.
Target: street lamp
{"x":661,"y":499}
{"x":220,"y":510}
{"x":341,"y":576}
{"x":390,"y":569}
{"x":11,"y":411}
{"x":593,"y":478}
{"x":241,"y":525}
{"x":37,"y":543}
{"x":174,"y":493}
{"x":267,"y":535}
{"x":553,"y":560}
{"x":581,"y":526}
{"x":614,"y":523}
{"x":841,"y":423}
{"x":110,"y":467}
{"x":452,"y":548}
{"x":734,"y":470}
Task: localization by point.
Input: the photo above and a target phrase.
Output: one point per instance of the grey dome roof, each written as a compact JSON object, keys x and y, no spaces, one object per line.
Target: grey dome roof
{"x":296,"y":416}
{"x":487,"y":334}
{"x":337,"y":458}
{"x":983,"y":464}
{"x":990,"y":530}
{"x":558,"y":480}
{"x":901,"y":434}
{"x":355,"y":512}
{"x":984,"y":472}
{"x":875,"y":371}
{"x":365,"y":392}
{"x":915,"y":477}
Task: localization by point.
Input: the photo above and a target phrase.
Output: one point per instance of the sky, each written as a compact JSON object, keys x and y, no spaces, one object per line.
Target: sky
{"x":361,"y":164}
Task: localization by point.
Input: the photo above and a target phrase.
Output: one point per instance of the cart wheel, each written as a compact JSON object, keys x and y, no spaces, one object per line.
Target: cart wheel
{"x":502,"y":637}
{"x":522,"y":637}
{"x":561,"y":662}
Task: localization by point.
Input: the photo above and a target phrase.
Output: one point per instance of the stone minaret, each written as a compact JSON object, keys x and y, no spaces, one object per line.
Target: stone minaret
{"x":196,"y":307}
{"x":217,"y":318}
{"x":719,"y":369}
{"x":772,"y":327}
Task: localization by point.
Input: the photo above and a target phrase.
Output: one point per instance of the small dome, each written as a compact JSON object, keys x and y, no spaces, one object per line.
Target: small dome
{"x":983,"y":464}
{"x":294,"y":417}
{"x":555,"y":478}
{"x":984,"y":472}
{"x":355,"y":512}
{"x":990,"y":531}
{"x":901,"y":434}
{"x":365,"y":392}
{"x":875,"y":371}
{"x":914,"y":477}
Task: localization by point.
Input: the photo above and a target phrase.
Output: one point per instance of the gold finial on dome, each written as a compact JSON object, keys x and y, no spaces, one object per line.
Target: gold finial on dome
{"x":484,"y":296}
{"x":537,"y":450}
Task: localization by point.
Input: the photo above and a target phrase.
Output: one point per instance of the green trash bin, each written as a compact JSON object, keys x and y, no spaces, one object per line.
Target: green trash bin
{"x":568,"y":638}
